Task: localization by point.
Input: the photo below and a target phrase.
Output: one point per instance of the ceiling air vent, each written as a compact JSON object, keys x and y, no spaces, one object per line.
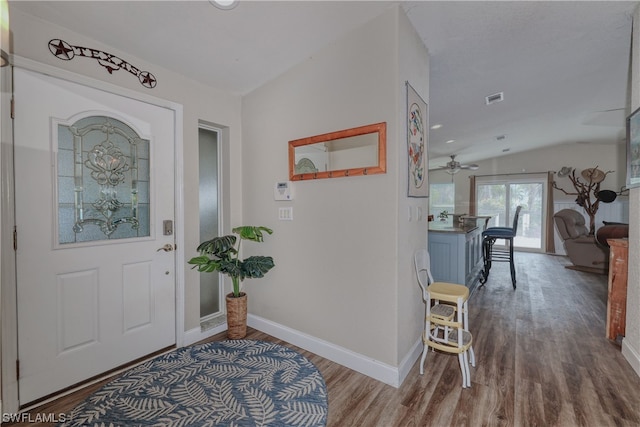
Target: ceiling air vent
{"x":496,"y":97}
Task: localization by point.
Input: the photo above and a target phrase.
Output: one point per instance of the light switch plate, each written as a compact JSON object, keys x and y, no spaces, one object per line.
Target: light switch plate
{"x":285,"y":214}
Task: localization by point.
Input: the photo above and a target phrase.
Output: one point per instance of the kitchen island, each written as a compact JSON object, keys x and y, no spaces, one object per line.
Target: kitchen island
{"x":455,"y":249}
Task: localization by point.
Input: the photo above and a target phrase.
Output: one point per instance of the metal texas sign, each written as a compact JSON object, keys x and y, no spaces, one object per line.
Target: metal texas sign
{"x":66,"y":52}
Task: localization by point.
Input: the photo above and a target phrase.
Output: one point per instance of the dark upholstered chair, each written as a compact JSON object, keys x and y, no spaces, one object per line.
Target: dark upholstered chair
{"x":582,"y":249}
{"x":611,"y":230}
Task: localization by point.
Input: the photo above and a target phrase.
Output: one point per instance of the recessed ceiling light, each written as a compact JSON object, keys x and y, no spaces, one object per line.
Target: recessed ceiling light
{"x":451,"y":141}
{"x":436,"y":126}
{"x":224,"y":4}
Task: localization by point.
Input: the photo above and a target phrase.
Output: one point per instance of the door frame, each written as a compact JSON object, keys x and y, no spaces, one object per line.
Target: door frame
{"x":515,"y":178}
{"x":204,"y":125}
{"x":8,"y":309}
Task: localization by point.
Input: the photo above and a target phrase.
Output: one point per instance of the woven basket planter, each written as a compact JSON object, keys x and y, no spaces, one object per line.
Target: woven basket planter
{"x":236,"y":316}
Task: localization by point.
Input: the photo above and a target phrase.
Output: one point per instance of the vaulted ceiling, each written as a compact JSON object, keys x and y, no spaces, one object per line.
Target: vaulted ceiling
{"x":563,"y":67}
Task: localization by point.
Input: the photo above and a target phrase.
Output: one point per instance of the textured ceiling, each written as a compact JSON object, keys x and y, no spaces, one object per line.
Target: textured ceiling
{"x":563,"y":66}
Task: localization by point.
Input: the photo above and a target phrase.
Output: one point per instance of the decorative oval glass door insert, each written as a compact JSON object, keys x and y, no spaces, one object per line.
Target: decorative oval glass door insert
{"x":103,"y":181}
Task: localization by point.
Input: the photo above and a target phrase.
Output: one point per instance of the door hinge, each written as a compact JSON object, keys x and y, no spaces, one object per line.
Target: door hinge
{"x":17,"y":369}
{"x":15,"y":239}
{"x":13,"y":110}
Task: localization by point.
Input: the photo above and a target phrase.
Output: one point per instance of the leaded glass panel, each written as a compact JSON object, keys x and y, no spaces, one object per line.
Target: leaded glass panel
{"x":103,"y":181}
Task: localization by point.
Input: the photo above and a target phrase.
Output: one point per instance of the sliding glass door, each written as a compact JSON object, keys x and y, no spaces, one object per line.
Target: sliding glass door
{"x":499,"y":196}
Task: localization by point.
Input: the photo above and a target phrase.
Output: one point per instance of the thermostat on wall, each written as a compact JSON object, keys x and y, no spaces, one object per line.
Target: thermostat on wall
{"x":283,"y":191}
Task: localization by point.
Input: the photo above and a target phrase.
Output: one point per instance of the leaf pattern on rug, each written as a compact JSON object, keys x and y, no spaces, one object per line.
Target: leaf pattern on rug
{"x":303,"y":414}
{"x":226,"y":402}
{"x":144,"y":409}
{"x":220,"y":370}
{"x":261,"y":407}
{"x":225,"y":383}
{"x":304,"y":387}
{"x":290,"y":371}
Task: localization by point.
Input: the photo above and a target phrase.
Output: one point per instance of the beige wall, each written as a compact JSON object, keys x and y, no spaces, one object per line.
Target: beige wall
{"x":631,"y":341}
{"x":411,"y":214}
{"x":343,"y":263}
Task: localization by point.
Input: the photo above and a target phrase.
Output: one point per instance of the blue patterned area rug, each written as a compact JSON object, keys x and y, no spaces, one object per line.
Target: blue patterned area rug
{"x":223,"y":383}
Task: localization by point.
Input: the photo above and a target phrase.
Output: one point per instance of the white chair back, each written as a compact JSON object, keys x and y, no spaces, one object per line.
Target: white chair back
{"x":422,"y":264}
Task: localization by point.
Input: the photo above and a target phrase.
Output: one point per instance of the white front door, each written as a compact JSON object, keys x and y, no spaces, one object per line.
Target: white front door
{"x":94,"y":177}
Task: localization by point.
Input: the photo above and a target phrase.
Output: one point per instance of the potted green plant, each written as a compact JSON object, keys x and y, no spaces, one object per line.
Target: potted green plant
{"x":221,"y":254}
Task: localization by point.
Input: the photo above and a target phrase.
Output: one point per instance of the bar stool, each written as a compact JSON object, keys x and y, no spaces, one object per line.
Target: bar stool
{"x":492,"y":254}
{"x":446,"y":322}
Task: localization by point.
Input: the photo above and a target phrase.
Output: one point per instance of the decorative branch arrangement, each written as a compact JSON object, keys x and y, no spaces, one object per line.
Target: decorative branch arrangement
{"x":588,"y":191}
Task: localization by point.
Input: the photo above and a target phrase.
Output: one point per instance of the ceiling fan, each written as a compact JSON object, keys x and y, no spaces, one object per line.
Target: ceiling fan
{"x":453,"y":167}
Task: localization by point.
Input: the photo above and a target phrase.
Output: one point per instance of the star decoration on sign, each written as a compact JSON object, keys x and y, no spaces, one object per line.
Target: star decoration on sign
{"x":147,"y":79}
{"x":61,"y":49}
{"x":64,"y":51}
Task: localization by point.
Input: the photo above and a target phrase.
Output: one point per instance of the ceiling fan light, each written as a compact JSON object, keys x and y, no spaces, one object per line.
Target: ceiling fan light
{"x":452,"y":171}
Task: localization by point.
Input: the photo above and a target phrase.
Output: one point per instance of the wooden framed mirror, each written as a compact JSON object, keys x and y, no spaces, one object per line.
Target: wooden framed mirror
{"x":350,"y":152}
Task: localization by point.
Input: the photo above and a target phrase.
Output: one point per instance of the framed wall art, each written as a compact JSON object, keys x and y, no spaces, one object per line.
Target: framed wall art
{"x":417,"y":144}
{"x":633,"y":149}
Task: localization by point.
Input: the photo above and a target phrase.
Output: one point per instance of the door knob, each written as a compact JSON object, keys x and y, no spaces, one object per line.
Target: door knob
{"x":167,"y":248}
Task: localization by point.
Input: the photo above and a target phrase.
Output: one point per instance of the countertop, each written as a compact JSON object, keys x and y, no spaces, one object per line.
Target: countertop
{"x":447,"y":227}
{"x":469,"y":224}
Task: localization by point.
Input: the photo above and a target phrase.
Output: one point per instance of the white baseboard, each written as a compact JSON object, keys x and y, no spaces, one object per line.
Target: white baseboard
{"x":197,"y":334}
{"x":365,"y":365}
{"x":410,"y":359}
{"x":632,"y":356}
{"x":380,"y":371}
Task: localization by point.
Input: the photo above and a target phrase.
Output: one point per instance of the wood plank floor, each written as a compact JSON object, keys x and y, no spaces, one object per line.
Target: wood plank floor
{"x":542,"y":360}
